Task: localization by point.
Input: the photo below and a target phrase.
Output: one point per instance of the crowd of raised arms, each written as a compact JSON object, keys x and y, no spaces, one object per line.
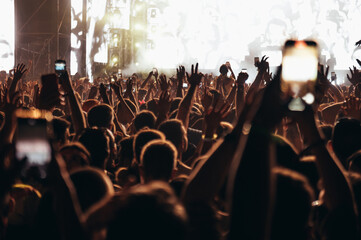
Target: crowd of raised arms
{"x":220,"y":157}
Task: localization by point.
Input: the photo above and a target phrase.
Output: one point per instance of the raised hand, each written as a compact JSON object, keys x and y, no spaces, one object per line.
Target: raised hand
{"x":19,"y":71}
{"x":181,"y":73}
{"x":213,"y":118}
{"x":358,"y":43}
{"x":164,"y":102}
{"x":263,"y":65}
{"x":242,"y":78}
{"x":164,"y":84}
{"x":322,"y":83}
{"x":355,"y":76}
{"x":195,"y":78}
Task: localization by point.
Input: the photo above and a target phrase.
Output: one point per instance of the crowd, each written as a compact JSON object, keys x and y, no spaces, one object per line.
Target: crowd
{"x":220,"y":157}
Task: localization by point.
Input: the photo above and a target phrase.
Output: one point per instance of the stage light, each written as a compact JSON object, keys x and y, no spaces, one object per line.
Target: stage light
{"x":115,"y":59}
{"x":137,"y":45}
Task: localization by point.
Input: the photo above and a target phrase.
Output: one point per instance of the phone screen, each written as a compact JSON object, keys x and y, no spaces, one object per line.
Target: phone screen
{"x":32,"y":141}
{"x":185,"y":85}
{"x":60,"y":66}
{"x":300,"y":66}
{"x":299,"y":71}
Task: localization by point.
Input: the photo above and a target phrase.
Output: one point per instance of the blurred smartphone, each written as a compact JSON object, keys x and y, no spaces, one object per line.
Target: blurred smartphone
{"x":32,"y":139}
{"x":244,"y":70}
{"x":60,"y":66}
{"x":228,"y":64}
{"x":299,"y":70}
{"x":256,"y":61}
{"x":155,"y":71}
{"x":333,"y":76}
{"x":185,"y":85}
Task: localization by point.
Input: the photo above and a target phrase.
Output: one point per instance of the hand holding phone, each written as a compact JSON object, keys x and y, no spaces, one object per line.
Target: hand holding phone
{"x":299,"y":72}
{"x":33,"y":139}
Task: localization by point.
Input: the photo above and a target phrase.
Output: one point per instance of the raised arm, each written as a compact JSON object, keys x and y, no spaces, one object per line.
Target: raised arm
{"x":187,"y":102}
{"x":124,"y":113}
{"x":240,"y":85}
{"x":77,"y":115}
{"x":19,"y":72}
{"x":180,"y":77}
{"x":144,"y":83}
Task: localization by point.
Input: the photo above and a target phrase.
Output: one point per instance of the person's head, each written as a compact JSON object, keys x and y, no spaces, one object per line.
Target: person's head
{"x":223,"y":69}
{"x":125,"y":152}
{"x":158,"y":161}
{"x":346,"y":138}
{"x":143,"y":119}
{"x":61,"y":130}
{"x":291,"y":214}
{"x":175,"y":132}
{"x":92,"y":187}
{"x":142,"y":138}
{"x":97,"y":143}
{"x":101,"y":115}
{"x":150,"y":211}
{"x":75,"y":155}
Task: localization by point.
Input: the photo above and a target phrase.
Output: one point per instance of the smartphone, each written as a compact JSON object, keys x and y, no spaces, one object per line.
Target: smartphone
{"x":333,"y":76}
{"x":228,"y":64}
{"x":32,"y":139}
{"x":256,"y":61}
{"x":244,"y":70}
{"x":60,"y":66}
{"x":155,"y":71}
{"x":299,"y":71}
{"x":185,"y":85}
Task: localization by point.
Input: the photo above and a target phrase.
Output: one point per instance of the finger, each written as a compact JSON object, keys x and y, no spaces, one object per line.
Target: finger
{"x":196,"y":68}
{"x":187,"y":75}
{"x":192,"y":71}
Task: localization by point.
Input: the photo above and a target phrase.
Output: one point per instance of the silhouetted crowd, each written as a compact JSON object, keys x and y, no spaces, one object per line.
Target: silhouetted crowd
{"x":194,"y":156}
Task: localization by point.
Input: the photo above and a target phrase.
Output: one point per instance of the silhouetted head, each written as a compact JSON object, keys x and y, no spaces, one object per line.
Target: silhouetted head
{"x":101,"y":115}
{"x":142,"y":138}
{"x":97,"y":143}
{"x":175,"y":132}
{"x":158,"y":161}
{"x":223,"y":69}
{"x":144,"y":119}
{"x":150,"y":211}
{"x":92,"y":186}
{"x":75,"y":155}
{"x":61,"y":130}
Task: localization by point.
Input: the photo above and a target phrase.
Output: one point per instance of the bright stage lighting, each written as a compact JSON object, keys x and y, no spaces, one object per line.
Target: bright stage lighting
{"x":7,"y":35}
